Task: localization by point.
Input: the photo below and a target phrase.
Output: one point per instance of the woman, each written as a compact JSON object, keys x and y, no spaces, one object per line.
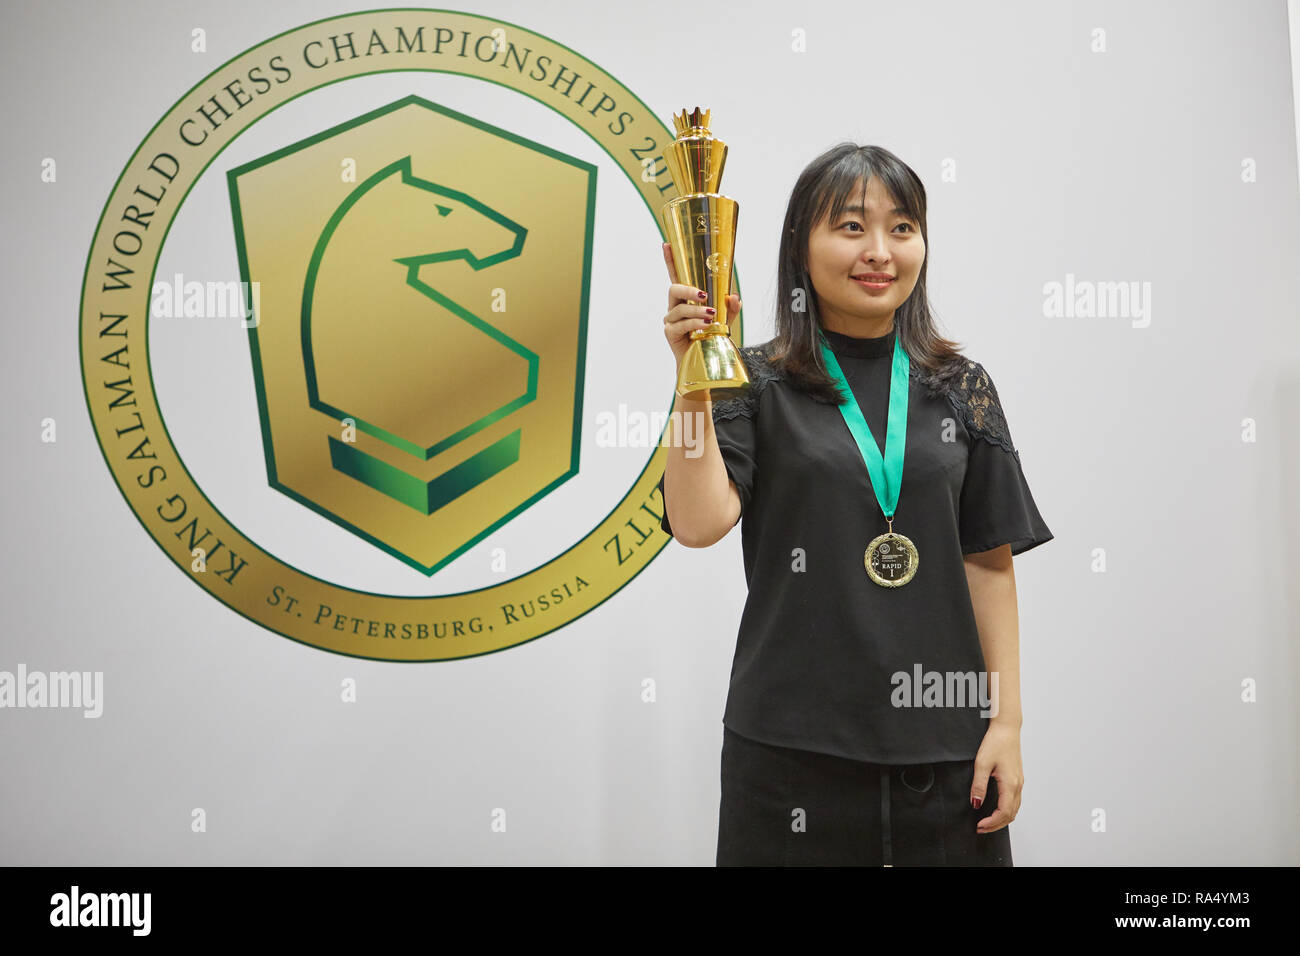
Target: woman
{"x":873,"y":715}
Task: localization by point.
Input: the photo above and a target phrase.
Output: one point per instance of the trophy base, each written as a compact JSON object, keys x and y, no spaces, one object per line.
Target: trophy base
{"x":711,"y":361}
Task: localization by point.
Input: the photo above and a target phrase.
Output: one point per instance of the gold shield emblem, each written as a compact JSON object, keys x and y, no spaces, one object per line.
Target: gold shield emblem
{"x":420,"y":340}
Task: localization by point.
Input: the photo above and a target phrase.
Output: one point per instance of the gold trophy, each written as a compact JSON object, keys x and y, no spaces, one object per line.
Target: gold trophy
{"x":701,"y":227}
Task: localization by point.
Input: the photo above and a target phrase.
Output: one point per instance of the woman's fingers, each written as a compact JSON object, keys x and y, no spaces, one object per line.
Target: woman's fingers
{"x":685,"y":318}
{"x":690,"y":313}
{"x":687,"y":298}
{"x":684,"y":305}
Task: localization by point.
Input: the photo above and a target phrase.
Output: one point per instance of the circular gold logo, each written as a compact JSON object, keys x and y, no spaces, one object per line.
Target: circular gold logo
{"x":381,"y":446}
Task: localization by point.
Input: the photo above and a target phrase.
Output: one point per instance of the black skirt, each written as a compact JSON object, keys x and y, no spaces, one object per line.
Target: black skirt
{"x":787,"y":807}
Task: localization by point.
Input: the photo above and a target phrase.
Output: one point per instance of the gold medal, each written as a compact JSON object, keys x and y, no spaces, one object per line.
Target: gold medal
{"x":892,"y":559}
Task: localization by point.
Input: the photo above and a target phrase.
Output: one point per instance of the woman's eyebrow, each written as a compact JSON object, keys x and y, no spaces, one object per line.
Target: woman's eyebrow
{"x":897,"y":211}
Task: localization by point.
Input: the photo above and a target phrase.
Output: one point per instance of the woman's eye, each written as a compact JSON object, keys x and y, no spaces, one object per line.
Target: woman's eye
{"x":854,"y":222}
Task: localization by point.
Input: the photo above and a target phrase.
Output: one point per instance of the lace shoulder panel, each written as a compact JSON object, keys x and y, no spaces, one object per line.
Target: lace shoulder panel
{"x":975,"y":399}
{"x":743,"y":402}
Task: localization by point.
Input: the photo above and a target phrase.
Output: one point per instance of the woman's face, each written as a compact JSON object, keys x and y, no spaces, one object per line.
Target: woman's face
{"x":875,"y":240}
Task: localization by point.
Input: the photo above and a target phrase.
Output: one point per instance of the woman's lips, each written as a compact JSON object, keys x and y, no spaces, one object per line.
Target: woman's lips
{"x":873,"y":284}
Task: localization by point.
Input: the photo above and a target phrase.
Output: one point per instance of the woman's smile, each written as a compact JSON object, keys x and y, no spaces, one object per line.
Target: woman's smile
{"x":872,"y":284}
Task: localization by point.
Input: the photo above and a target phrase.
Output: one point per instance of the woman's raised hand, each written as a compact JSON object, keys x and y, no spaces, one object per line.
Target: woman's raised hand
{"x":685,"y":313}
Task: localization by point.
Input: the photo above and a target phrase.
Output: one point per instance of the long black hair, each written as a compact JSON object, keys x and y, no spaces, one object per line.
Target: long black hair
{"x":828,"y":183}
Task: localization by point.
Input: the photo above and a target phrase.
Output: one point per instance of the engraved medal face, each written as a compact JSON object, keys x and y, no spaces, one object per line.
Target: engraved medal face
{"x":892,"y":559}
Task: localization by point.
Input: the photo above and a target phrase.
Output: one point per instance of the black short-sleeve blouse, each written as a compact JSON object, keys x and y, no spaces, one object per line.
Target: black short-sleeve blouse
{"x":827,"y":660}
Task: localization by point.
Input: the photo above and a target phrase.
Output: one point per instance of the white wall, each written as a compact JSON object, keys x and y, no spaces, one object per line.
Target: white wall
{"x":1116,"y":166}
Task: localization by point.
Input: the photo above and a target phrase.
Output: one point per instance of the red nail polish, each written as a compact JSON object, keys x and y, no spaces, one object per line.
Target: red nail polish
{"x":976,"y":801}
{"x":710,"y":311}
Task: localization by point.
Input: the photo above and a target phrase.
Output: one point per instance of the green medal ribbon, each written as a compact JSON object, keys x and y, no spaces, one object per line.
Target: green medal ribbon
{"x":887,"y":473}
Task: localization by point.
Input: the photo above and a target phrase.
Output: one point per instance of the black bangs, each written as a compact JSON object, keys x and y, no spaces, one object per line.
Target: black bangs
{"x":846,"y":179}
